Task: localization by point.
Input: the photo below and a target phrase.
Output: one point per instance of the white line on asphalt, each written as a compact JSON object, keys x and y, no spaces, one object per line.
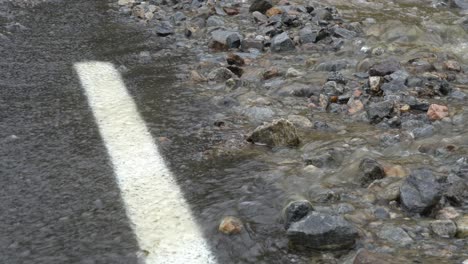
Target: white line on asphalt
{"x":161,"y":218}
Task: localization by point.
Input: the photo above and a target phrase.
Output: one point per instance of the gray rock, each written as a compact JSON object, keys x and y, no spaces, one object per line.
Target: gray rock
{"x":300,"y":121}
{"x":178,"y":17}
{"x":277,"y":133}
{"x":259,"y":17}
{"x":395,"y":235}
{"x":340,"y":32}
{"x":322,"y":14}
{"x":164,"y":28}
{"x":215,"y":21}
{"x":282,"y":42}
{"x":323,"y":232}
{"x":376,"y":112}
{"x":385,"y":68}
{"x":370,"y":171}
{"x":307,"y":35}
{"x":423,"y":132}
{"x":295,"y":211}
{"x":444,"y":228}
{"x":414,"y":81}
{"x":260,"y":5}
{"x":381,"y":213}
{"x":420,"y":191}
{"x":224,"y":39}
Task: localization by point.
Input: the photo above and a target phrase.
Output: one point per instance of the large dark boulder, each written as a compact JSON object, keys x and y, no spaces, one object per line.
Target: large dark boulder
{"x":322,"y":232}
{"x":420,"y":191}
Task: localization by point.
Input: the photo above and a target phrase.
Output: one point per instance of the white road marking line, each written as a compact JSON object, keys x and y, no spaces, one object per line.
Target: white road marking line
{"x":161,"y":219}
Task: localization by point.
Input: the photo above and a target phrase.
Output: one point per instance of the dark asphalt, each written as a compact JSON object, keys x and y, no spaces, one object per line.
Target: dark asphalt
{"x":59,"y":201}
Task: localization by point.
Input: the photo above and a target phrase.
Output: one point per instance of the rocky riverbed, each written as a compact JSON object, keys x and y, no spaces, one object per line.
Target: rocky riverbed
{"x":357,"y":111}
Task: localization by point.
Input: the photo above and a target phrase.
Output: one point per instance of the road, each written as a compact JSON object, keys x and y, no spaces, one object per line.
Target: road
{"x":81,"y":183}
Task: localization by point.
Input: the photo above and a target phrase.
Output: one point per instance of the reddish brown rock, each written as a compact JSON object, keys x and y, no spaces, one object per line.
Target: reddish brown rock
{"x":231,"y":11}
{"x":437,"y":112}
{"x":270,"y":73}
{"x":452,"y":65}
{"x":274,"y":11}
{"x":230,"y":225}
{"x":234,"y":59}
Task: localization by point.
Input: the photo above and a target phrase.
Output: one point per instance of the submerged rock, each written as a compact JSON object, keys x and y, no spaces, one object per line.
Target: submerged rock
{"x":420,"y":191}
{"x":322,"y":232}
{"x":395,"y":235}
{"x":277,"y":133}
{"x":164,"y":28}
{"x":437,"y":112}
{"x":221,"y":74}
{"x":462,"y":227}
{"x":230,"y":225}
{"x":370,"y":171}
{"x":444,"y":228}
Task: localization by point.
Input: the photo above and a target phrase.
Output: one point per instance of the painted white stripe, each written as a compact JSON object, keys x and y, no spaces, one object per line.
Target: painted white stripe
{"x":161,"y":219}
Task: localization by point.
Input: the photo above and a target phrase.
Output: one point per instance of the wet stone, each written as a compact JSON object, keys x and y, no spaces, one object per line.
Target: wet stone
{"x":221,"y":74}
{"x":444,"y":228}
{"x":420,"y":191}
{"x":230,"y":225}
{"x":437,"y":112}
{"x":277,"y":133}
{"x":282,"y":42}
{"x":260,"y":5}
{"x":215,"y":21}
{"x":395,"y":235}
{"x":223,"y":40}
{"x":164,"y":28}
{"x":234,"y":59}
{"x":462,"y":226}
{"x":376,"y":112}
{"x":423,"y":132}
{"x":370,"y":171}
{"x":323,"y":232}
{"x":385,"y":68}
{"x":336,"y":77}
{"x":295,"y":211}
{"x":307,"y":35}
{"x":381,"y":213}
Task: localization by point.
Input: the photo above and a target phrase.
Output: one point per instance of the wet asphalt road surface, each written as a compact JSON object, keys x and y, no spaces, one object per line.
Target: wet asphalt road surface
{"x":60,"y":202}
